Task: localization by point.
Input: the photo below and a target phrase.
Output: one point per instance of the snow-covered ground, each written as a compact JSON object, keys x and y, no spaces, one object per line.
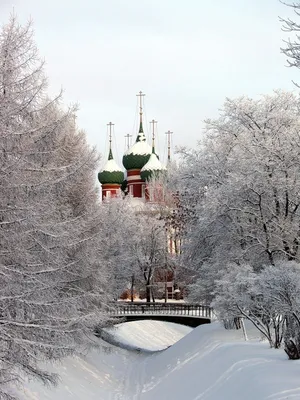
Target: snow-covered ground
{"x":213,"y":364}
{"x":209,"y":363}
{"x":148,"y":335}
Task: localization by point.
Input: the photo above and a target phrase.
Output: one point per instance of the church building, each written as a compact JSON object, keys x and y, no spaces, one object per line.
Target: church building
{"x":141,"y":181}
{"x":140,"y":162}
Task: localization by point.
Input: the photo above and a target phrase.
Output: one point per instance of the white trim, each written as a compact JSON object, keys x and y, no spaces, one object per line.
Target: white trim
{"x":133,"y":177}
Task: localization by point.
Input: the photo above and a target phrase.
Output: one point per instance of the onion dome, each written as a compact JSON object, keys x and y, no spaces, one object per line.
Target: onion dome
{"x":111,"y":172}
{"x":138,"y":155}
{"x":152,"y":168}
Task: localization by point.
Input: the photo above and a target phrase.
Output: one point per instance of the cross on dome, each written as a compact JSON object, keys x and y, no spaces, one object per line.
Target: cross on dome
{"x":141,"y":95}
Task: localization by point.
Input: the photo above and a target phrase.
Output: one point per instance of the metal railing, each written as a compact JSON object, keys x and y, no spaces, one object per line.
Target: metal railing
{"x":182,"y":309}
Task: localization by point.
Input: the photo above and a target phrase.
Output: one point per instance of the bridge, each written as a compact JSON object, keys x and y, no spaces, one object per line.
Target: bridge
{"x":189,"y":314}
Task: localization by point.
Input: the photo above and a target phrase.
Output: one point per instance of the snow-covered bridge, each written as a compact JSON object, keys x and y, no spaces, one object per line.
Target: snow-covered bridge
{"x":182,"y":313}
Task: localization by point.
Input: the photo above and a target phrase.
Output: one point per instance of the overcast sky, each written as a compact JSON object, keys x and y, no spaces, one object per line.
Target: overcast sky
{"x":187,"y":56}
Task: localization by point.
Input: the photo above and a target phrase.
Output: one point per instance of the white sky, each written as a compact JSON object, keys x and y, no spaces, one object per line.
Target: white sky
{"x":187,"y":56}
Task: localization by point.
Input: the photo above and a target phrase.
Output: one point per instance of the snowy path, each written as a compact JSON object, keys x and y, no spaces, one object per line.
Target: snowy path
{"x":151,"y":336}
{"x":135,"y":380}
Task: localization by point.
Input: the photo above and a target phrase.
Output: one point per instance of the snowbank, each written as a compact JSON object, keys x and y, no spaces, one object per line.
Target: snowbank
{"x":99,"y":375}
{"x":214,"y":364}
{"x":148,"y":335}
{"x":209,"y":363}
{"x":107,"y":373}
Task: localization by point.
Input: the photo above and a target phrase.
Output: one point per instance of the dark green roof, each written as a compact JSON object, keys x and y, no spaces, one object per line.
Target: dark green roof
{"x":111,"y":177}
{"x":153,"y":168}
{"x":111,"y":172}
{"x":148,"y":174}
{"x":138,"y":155}
{"x":135,"y":161}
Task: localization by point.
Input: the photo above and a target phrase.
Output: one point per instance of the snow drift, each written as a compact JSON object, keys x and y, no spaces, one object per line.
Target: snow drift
{"x":214,"y":364}
{"x":209,"y":363}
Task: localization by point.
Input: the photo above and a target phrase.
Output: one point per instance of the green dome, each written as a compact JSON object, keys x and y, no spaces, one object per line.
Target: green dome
{"x":138,"y":155}
{"x":147,"y":175}
{"x":152,"y":168}
{"x":111,"y":172}
{"x":111,"y":177}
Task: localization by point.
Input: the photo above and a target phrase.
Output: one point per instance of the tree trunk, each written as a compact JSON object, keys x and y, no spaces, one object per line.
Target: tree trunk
{"x":166,"y":288}
{"x":243,"y":328}
{"x":148,"y":293}
{"x":153,"y":296}
{"x":237,"y":322}
{"x":132,"y":288}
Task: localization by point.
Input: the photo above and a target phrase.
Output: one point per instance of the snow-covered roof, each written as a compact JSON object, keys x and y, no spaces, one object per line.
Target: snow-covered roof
{"x":111,"y":166}
{"x":153,"y":164}
{"x":139,"y":148}
{"x":111,"y":172}
{"x":152,"y":167}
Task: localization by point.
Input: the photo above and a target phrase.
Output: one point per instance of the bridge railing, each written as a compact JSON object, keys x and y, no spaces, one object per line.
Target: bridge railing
{"x":183,"y":309}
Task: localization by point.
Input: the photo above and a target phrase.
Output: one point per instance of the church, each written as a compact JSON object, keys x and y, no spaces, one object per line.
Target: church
{"x":141,"y":182}
{"x":140,"y":162}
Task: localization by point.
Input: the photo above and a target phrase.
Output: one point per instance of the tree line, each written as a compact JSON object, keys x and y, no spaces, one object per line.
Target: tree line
{"x":242,"y":235}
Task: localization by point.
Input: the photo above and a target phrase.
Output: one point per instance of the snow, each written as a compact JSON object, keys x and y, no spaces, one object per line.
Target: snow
{"x":98,"y":375}
{"x":140,"y":148}
{"x":139,"y":334}
{"x":209,"y":363}
{"x":153,"y":164}
{"x":111,"y":166}
{"x":213,"y":364}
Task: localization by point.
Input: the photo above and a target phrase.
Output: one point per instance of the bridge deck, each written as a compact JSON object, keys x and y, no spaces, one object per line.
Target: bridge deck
{"x":175,"y":309}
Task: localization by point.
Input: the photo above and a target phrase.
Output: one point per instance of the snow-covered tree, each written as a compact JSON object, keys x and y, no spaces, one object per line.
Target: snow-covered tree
{"x":269,"y":299}
{"x":201,"y":289}
{"x":244,"y":185}
{"x":242,"y":293}
{"x":135,"y":246}
{"x":291,"y":47}
{"x":119,"y":236}
{"x":52,"y":279}
{"x":151,"y":251}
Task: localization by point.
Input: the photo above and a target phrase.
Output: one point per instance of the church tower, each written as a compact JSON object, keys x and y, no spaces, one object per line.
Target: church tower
{"x":154,"y":170}
{"x":111,"y":176}
{"x":135,"y":158}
